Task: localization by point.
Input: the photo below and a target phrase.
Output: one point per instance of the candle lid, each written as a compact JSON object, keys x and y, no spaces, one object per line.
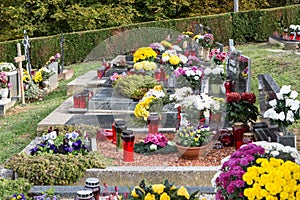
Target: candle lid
{"x":92,"y":182}
{"x":84,"y":194}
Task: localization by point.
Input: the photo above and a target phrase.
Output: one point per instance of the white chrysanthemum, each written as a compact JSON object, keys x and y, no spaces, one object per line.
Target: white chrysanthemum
{"x":279,"y":96}
{"x":274,"y":153}
{"x":165,"y":58}
{"x":192,"y":72}
{"x":290,"y":116}
{"x":286,"y":89}
{"x":176,"y":47}
{"x":294,"y":94}
{"x":295,"y":105}
{"x":273,"y":103}
{"x":207,"y":71}
{"x":271,"y":113}
{"x":198,"y":72}
{"x":183,"y":58}
{"x":153,"y":147}
{"x":281,"y":116}
{"x":196,"y":78}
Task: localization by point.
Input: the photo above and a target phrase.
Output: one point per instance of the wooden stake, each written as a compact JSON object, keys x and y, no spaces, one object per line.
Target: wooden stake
{"x":19,"y":60}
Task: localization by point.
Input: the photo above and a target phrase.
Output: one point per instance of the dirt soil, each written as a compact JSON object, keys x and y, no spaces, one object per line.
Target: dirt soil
{"x":213,"y":158}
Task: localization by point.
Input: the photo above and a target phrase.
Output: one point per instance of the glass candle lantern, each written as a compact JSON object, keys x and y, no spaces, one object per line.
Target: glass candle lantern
{"x":76,"y":100}
{"x":93,"y":185}
{"x":100,"y":72}
{"x":84,"y":195}
{"x":248,"y":137}
{"x":153,"y":122}
{"x":128,"y":145}
{"x":120,"y":127}
{"x":157,"y":74}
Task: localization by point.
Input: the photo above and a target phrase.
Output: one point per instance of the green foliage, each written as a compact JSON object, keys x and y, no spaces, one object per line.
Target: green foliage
{"x":145,"y":149}
{"x":134,"y":86}
{"x":32,"y":91}
{"x":50,"y":169}
{"x":10,"y":187}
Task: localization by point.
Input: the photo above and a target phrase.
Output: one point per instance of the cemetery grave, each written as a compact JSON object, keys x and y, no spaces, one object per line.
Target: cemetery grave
{"x":95,"y":103}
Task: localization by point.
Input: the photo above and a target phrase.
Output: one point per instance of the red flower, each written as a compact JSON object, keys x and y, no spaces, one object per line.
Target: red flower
{"x":233,"y":97}
{"x":248,"y":96}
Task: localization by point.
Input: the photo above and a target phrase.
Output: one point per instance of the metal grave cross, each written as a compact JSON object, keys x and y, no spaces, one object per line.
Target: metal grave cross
{"x":26,"y":44}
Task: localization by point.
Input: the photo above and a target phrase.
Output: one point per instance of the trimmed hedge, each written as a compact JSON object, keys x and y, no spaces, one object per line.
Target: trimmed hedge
{"x":242,"y":27}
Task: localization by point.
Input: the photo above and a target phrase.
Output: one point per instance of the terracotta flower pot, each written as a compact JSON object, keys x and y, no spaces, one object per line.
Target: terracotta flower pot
{"x":190,"y":152}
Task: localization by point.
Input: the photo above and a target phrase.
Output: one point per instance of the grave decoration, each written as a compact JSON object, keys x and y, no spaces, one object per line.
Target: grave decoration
{"x":71,"y":142}
{"x":284,"y":110}
{"x":251,"y":172}
{"x":165,"y":190}
{"x":155,"y":144}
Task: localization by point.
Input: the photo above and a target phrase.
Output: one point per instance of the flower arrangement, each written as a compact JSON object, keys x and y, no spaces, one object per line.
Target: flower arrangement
{"x":217,"y":57}
{"x":155,"y":143}
{"x":191,"y":136}
{"x":294,"y":28}
{"x":4,"y":82}
{"x":163,"y":191}
{"x":192,"y":75}
{"x":144,"y":53}
{"x":157,"y":47}
{"x":193,"y":60}
{"x":7,"y":67}
{"x":54,"y":58}
{"x":173,"y":60}
{"x":46,"y":73}
{"x":284,"y":109}
{"x":116,"y":76}
{"x":206,"y":40}
{"x":215,"y":74}
{"x":145,"y":65}
{"x":53,"y":142}
{"x":142,"y":109}
{"x":259,"y":170}
{"x":241,"y":107}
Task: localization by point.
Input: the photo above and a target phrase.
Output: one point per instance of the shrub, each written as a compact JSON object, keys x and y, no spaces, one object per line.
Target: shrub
{"x":54,"y":169}
{"x":9,"y":187}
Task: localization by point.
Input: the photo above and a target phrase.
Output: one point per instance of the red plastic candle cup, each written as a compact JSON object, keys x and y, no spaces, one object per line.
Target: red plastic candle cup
{"x":83,"y":100}
{"x":157,"y":74}
{"x":114,"y":133}
{"x":186,"y":53}
{"x":153,"y":122}
{"x":238,"y":132}
{"x":128,"y":145}
{"x":100,"y":72}
{"x":193,"y":52}
{"x":76,"y":100}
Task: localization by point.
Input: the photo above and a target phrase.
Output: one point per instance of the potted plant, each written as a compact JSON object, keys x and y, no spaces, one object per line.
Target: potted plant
{"x":252,"y":172}
{"x":5,"y":84}
{"x":284,"y":111}
{"x":191,"y":141}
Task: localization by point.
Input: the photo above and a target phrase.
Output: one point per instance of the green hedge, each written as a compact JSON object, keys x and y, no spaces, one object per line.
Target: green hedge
{"x":250,"y":26}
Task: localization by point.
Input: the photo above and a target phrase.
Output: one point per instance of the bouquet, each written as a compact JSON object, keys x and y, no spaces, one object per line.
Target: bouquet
{"x":4,"y":82}
{"x":116,"y":76}
{"x":173,"y":60}
{"x":163,"y":191}
{"x":192,"y":75}
{"x":7,"y":67}
{"x":191,"y":136}
{"x":284,"y":109}
{"x":241,"y":107}
{"x":142,"y":109}
{"x":206,"y":40}
{"x":54,"y":58}
{"x":217,"y":57}
{"x":259,"y":170}
{"x":215,"y":74}
{"x":157,"y":47}
{"x":144,"y":53}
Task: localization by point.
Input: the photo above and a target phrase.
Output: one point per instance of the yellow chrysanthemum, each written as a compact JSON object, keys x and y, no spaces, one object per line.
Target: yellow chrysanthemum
{"x":174,"y":60}
{"x":144,"y":53}
{"x":150,"y":196}
{"x":182,"y":191}
{"x":166,"y":43}
{"x":158,"y":188}
{"x":164,"y":196}
{"x":37,"y":77}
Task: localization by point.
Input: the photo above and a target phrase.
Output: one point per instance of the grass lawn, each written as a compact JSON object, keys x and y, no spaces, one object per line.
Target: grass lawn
{"x":19,"y":126}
